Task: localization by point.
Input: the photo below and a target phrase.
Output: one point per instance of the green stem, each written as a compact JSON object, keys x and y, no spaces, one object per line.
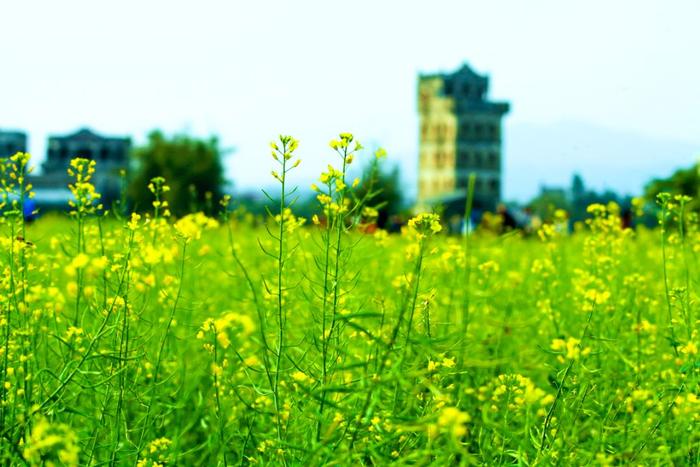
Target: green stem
{"x":339,"y":221}
{"x":161,"y":348}
{"x":280,"y":300}
{"x":674,"y":343}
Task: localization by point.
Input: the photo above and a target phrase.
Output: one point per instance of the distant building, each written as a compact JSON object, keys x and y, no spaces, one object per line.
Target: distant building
{"x":109,"y":152}
{"x":12,"y":142}
{"x":460,"y":133}
{"x":111,"y":155}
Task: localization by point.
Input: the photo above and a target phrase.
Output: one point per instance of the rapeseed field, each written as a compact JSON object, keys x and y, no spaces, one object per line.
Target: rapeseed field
{"x":145,"y":340}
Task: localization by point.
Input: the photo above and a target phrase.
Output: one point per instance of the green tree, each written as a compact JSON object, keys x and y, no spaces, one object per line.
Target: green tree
{"x":681,"y":182}
{"x":548,"y":201}
{"x":383,"y":190}
{"x":191,"y":167}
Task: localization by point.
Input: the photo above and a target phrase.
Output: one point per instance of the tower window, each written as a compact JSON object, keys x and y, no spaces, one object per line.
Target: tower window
{"x":462,"y":158}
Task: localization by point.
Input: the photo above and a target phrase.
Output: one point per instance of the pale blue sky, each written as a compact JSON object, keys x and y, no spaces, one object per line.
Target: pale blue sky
{"x":621,"y":77}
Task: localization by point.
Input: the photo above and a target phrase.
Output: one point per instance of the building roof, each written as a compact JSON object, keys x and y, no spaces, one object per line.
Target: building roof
{"x":13,"y":134}
{"x":87,"y":135}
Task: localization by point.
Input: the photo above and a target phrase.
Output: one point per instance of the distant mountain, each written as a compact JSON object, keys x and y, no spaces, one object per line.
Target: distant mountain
{"x":605,"y":158}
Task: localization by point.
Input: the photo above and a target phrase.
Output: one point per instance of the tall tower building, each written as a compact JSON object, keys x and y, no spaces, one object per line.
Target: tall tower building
{"x":460,"y":133}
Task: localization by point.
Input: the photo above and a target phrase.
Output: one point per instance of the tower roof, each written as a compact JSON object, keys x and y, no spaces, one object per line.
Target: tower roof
{"x":466,"y":73}
{"x":468,"y":88}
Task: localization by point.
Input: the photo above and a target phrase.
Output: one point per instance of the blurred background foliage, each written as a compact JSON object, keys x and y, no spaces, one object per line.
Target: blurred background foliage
{"x":191,"y":166}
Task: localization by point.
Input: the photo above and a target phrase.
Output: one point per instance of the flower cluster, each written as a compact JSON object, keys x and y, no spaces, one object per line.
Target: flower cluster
{"x":569,"y":349}
{"x":14,"y":188}
{"x":191,"y":226}
{"x":51,"y":444}
{"x":517,"y":391}
{"x":425,"y":224}
{"x":158,"y":187}
{"x":450,"y":421}
{"x":283,"y":154}
{"x":291,"y":222}
{"x":85,"y":199}
{"x":157,"y":453}
{"x":343,"y":146}
{"x":335,"y":194}
{"x":222,"y":327}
